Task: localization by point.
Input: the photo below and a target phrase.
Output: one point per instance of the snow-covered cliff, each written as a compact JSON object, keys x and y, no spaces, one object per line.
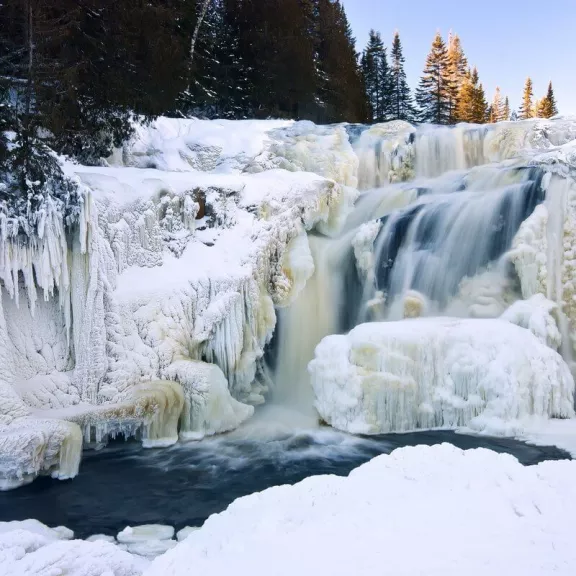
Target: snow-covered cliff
{"x":150,"y":317}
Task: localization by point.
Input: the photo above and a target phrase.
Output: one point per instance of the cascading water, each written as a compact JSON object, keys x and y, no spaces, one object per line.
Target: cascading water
{"x":428,"y":237}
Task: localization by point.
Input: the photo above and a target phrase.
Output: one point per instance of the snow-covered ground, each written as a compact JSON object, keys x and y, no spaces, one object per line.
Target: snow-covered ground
{"x":438,"y":511}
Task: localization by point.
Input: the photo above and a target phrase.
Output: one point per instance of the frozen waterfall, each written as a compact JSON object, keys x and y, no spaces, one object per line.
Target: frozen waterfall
{"x":441,"y":230}
{"x":212,"y":258}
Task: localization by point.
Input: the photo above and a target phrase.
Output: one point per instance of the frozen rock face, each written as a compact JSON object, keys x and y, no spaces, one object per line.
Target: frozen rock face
{"x":543,"y":251}
{"x":149,"y":318}
{"x":488,"y":375}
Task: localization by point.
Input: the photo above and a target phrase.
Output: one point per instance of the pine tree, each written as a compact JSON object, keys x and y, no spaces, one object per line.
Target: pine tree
{"x":458,"y":65}
{"x":402,"y":104}
{"x":527,"y":107}
{"x":434,"y":93}
{"x":376,"y":77}
{"x":341,"y":91}
{"x":30,"y":173}
{"x":480,"y":106}
{"x":466,"y":100}
{"x":496,"y":111}
{"x":506,"y":110}
{"x":548,"y":107}
{"x":539,"y":109}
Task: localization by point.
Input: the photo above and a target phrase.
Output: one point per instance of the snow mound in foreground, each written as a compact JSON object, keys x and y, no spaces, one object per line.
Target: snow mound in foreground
{"x":31,"y":549}
{"x":439,"y":511}
{"x":489,"y":375}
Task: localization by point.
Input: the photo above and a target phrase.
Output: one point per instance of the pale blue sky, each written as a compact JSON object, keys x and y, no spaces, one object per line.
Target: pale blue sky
{"x":507,"y":40}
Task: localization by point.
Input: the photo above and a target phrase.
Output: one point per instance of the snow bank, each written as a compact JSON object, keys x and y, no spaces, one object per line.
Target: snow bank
{"x":31,"y":549}
{"x":438,"y":511}
{"x":182,"y":145}
{"x":489,"y":375}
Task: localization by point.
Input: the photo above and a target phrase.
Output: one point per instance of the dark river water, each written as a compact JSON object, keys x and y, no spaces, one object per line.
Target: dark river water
{"x":124,"y":484}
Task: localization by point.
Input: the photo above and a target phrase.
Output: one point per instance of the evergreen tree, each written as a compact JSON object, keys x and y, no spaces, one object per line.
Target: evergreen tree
{"x":402,"y":104}
{"x":466,"y":99}
{"x":480,"y":106}
{"x":506,"y":109}
{"x":376,"y":77}
{"x":514,"y":116}
{"x":496,"y":111}
{"x":279,"y":56}
{"x":341,"y":91}
{"x":548,"y":107}
{"x":527,"y":107}
{"x":539,"y":110}
{"x":30,"y":173}
{"x":436,"y":88}
{"x":458,"y":66}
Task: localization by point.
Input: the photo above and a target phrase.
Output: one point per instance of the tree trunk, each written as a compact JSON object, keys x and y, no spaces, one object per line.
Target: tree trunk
{"x":195,"y":34}
{"x":30,"y":48}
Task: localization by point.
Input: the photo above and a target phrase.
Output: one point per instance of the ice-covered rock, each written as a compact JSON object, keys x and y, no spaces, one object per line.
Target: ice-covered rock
{"x":144,"y":533}
{"x":544,"y":253}
{"x":30,"y":548}
{"x":148,"y":540}
{"x":101,"y":538}
{"x":437,"y":510}
{"x":489,"y":375}
{"x":64,"y":533}
{"x":537,"y":315}
{"x":26,"y":553}
{"x":158,"y":304}
{"x":209,"y":408}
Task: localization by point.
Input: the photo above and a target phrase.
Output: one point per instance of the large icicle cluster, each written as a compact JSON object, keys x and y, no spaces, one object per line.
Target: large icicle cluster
{"x":489,"y":375}
{"x":157,"y":306}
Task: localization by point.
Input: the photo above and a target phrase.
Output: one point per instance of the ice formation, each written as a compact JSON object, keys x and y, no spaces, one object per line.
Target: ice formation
{"x":155,"y":309}
{"x":29,"y":548}
{"x":150,"y":317}
{"x":488,"y":375}
{"x":490,"y":515}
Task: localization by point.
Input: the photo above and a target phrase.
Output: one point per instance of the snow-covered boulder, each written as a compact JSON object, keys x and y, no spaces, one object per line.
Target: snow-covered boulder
{"x":438,"y":511}
{"x":145,"y":532}
{"x":28,"y":553}
{"x":489,"y":375}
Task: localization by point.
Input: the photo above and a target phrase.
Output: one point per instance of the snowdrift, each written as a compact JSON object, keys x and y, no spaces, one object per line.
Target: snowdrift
{"x":489,"y":515}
